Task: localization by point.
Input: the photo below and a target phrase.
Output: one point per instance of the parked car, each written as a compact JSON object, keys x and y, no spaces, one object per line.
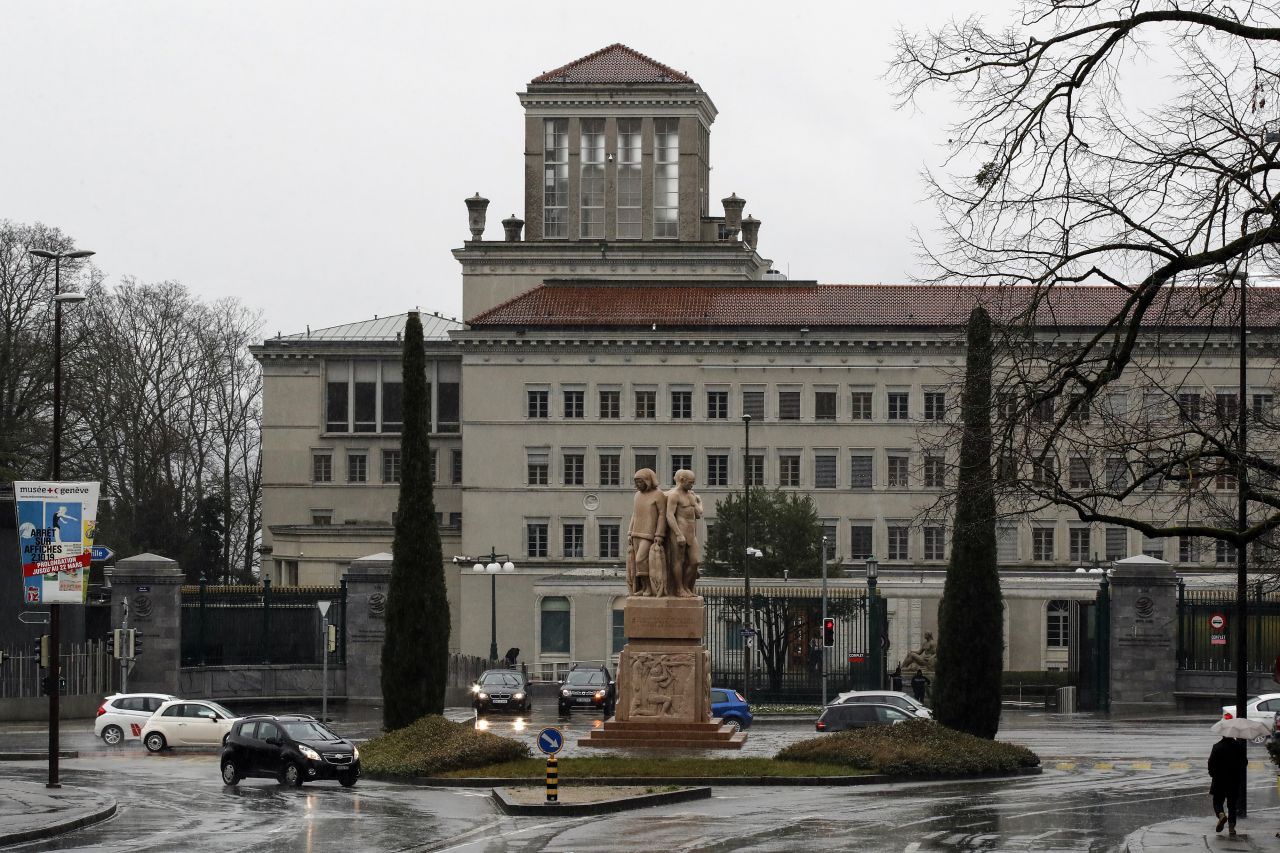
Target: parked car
{"x":121,"y":716}
{"x":1264,"y":708}
{"x":293,"y":748}
{"x":501,"y":690}
{"x":731,"y":707}
{"x":908,"y":703}
{"x":187,"y":722}
{"x":838,"y":718}
{"x":588,"y":686}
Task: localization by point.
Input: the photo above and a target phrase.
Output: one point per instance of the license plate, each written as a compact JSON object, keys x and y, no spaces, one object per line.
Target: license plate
{"x":586,"y":701}
{"x":498,"y":701}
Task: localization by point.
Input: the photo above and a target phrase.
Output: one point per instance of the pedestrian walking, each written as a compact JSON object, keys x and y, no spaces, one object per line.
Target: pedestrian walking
{"x":1227,"y":764}
{"x":895,"y":680}
{"x":919,"y":684}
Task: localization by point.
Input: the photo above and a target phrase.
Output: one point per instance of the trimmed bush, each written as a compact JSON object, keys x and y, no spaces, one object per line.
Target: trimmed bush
{"x":433,"y":745}
{"x":914,"y":748}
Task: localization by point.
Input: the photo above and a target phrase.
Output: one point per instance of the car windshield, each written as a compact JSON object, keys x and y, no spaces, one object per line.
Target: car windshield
{"x":307,"y":730}
{"x":500,"y":679}
{"x":588,"y":678}
{"x":221,"y":711}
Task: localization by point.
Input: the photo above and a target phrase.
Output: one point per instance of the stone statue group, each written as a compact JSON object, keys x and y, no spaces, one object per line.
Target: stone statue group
{"x":663,"y":554}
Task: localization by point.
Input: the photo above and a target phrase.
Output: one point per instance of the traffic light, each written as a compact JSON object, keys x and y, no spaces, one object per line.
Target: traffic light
{"x":828,"y":632}
{"x":331,"y":638}
{"x":133,"y":643}
{"x":115,"y":643}
{"x":3,"y":656}
{"x":42,"y":650}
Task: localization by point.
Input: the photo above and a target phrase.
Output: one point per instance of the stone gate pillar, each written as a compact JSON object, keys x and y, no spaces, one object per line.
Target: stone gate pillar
{"x":152,"y":586}
{"x":1144,"y":632}
{"x":368,"y":580}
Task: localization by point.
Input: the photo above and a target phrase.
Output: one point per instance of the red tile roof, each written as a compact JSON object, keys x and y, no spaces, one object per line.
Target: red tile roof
{"x":616,"y":63}
{"x":730,"y":304}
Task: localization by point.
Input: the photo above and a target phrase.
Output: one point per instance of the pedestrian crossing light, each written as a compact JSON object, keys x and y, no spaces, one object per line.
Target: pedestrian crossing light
{"x":331,"y":638}
{"x":115,"y":643}
{"x":828,"y":632}
{"x":133,"y":643}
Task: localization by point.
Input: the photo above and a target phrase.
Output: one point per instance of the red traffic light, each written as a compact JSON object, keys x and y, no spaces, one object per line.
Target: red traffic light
{"x":828,"y":632}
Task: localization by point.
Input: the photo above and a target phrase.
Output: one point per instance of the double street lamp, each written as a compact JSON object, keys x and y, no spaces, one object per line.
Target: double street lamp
{"x":493,"y":567}
{"x":55,"y":625}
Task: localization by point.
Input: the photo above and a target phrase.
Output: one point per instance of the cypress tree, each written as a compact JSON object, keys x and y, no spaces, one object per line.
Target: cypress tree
{"x":415,"y":652}
{"x":966,"y":686}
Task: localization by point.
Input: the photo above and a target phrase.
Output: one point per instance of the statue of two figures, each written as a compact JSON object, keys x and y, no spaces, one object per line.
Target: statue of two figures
{"x":663,"y":554}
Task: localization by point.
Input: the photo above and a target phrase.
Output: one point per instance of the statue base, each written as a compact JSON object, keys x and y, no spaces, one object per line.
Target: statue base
{"x":635,"y":734}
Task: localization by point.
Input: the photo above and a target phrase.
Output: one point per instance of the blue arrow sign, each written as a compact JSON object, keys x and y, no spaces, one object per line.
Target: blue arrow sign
{"x":550,"y":741}
{"x":100,"y":553}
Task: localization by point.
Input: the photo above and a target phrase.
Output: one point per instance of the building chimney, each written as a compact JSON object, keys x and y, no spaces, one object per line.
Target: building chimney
{"x":513,"y":225}
{"x":476,"y":208}
{"x":733,"y":214}
{"x":750,"y":231}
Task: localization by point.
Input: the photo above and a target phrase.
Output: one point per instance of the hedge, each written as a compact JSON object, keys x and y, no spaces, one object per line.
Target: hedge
{"x":434,"y":745}
{"x":913,"y":748}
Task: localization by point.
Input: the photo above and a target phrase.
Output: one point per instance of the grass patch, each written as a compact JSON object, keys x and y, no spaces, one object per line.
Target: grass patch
{"x":432,"y":745}
{"x":607,"y":767}
{"x":914,"y":748}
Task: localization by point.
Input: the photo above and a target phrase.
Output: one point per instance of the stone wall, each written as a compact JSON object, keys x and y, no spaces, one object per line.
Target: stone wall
{"x":281,"y":682}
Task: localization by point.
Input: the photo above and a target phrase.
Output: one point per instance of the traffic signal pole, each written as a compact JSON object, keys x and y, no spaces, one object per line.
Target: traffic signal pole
{"x":823,"y":660}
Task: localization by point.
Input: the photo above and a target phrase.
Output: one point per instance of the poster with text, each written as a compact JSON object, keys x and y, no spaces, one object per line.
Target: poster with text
{"x":56,"y":526}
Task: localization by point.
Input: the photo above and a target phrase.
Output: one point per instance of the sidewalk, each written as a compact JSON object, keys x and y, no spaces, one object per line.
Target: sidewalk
{"x":29,"y":810}
{"x":1256,"y":832}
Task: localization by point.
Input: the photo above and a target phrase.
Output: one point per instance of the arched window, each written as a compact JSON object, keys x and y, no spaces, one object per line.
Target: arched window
{"x":555,"y":625}
{"x":1057,"y":623}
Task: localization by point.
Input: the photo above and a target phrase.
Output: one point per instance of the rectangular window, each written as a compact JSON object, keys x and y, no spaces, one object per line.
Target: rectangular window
{"x":392,"y":397}
{"x":1078,"y":544}
{"x":630,"y":187}
{"x":1263,"y":402}
{"x":455,"y":520}
{"x":591,"y":182}
{"x":896,"y":475}
{"x":322,"y":467}
{"x":646,"y":404}
{"x":755,"y":470}
{"x":899,"y":539}
{"x":824,"y":471}
{"x":575,"y":404}
{"x":1226,"y":406}
{"x":574,"y":469}
{"x":573,"y":538}
{"x":432,"y":474}
{"x":1117,"y":473}
{"x":717,"y":469}
{"x":828,"y":539}
{"x":337,"y":388}
{"x":1188,"y":549}
{"x":935,"y":405}
{"x":610,"y":404}
{"x":538,"y":403}
{"x":717,"y":405}
{"x":1225,"y":553}
{"x":449,"y":407}
{"x":647,"y":459}
{"x":935,"y":472}
{"x":1117,"y":543}
{"x":682,"y":405}
{"x":556,"y":627}
{"x":1078,"y":475}
{"x":789,"y":469}
{"x":319,"y":518}
{"x":537,"y":465}
{"x":610,"y":469}
{"x":455,"y":466}
{"x":1057,"y":624}
{"x":680,"y":461}
{"x":899,"y":405}
{"x":1006,"y":468}
{"x":365,"y":387}
{"x":1006,"y":543}
{"x":610,"y":540}
{"x":619,"y":630}
{"x":860,"y":471}
{"x":1079,"y":409}
{"x":824,"y":405}
{"x":1189,"y":405}
{"x":1043,"y":472}
{"x":555,"y":182}
{"x":789,"y":405}
{"x":861,"y":406}
{"x":860,"y":542}
{"x":1042,"y":549}
{"x":1042,"y":410}
{"x":535,"y":539}
{"x":1153,"y":548}
{"x":753,"y":404}
{"x":357,"y":467}
{"x":935,"y":542}
{"x":666,"y":178}
{"x":390,"y":466}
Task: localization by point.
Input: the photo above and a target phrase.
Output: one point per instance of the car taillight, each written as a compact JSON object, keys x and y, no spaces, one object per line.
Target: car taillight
{"x":102,"y":709}
{"x":741,"y":698}
{"x":1226,"y":715}
{"x":821,"y":726}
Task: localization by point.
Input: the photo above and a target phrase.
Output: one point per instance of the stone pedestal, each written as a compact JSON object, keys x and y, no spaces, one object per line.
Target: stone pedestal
{"x":153,"y":587}
{"x":1144,"y":611}
{"x":368,"y":581}
{"x":664,"y":681}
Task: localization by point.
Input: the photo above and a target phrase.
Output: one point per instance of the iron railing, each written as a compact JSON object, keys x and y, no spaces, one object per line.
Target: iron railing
{"x":252,"y":625}
{"x":1204,"y":646}
{"x":86,"y":670}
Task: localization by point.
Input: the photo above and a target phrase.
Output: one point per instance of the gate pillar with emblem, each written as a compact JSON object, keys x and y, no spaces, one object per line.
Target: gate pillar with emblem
{"x":368,"y":581}
{"x":152,"y":586}
{"x":1143,"y":635}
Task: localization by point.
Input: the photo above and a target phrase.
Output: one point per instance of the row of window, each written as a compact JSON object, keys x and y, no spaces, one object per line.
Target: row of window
{"x":358,"y":466}
{"x":822,"y":406}
{"x":1115,"y":473}
{"x":367,"y":396}
{"x":1193,"y":404}
{"x":445,"y":521}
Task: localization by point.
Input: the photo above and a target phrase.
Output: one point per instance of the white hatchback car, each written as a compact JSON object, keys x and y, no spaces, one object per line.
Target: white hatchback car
{"x":885,"y":697}
{"x":121,"y":716}
{"x":1264,"y":708}
{"x":187,"y":722}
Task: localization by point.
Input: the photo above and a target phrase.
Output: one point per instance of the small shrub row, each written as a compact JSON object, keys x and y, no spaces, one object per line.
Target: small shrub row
{"x":433,"y":745}
{"x":915,"y":748}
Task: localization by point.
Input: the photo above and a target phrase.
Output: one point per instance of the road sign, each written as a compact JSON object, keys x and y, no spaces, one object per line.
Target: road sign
{"x":324,"y":608}
{"x":550,"y":741}
{"x":747,"y":632}
{"x":1217,"y":621}
{"x":33,"y":617}
{"x":100,"y":553}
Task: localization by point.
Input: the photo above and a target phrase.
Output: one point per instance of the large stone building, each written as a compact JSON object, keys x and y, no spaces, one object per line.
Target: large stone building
{"x":620,"y":325}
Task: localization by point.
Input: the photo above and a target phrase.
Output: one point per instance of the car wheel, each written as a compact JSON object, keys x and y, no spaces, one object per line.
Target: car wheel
{"x":292,"y":775}
{"x":734,"y":723}
{"x":347,"y":780}
{"x":154,"y":742}
{"x":230,"y":773}
{"x":112,"y":735}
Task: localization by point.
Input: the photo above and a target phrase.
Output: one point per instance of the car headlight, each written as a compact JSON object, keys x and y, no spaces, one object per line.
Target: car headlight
{"x":518,"y":697}
{"x":599,"y":694}
{"x":482,"y":695}
{"x":355,"y":753}
{"x":475,"y":688}
{"x":565,"y":693}
{"x":308,"y":752}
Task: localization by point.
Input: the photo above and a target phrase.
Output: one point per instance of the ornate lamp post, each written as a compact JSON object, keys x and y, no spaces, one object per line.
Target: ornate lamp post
{"x":493,"y":567}
{"x":873,"y":623}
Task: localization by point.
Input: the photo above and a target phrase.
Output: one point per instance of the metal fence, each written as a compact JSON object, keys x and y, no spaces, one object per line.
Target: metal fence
{"x":237,"y":625}
{"x":787,"y":656}
{"x":86,"y":669}
{"x":1207,"y":629}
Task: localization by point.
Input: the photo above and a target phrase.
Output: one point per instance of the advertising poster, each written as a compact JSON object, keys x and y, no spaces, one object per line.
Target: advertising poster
{"x":56,"y":526}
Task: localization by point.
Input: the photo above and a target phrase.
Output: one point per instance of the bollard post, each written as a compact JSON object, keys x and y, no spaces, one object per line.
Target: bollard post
{"x":553,"y":781}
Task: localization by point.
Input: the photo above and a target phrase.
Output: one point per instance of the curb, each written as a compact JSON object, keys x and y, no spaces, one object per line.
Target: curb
{"x":641,"y":801}
{"x":57,"y":828}
{"x":37,"y":756}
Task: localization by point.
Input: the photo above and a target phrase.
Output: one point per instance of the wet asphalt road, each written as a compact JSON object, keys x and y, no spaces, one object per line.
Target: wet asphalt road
{"x":1102,"y":780}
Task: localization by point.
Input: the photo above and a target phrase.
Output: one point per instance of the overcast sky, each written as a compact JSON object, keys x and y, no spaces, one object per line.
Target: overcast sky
{"x":311,"y":158}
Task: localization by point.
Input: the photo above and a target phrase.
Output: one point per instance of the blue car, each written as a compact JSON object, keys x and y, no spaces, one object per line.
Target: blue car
{"x":730,"y":706}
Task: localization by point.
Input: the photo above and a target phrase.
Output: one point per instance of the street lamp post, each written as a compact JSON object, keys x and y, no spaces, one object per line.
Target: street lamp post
{"x":746,"y":554}
{"x":55,"y":623}
{"x":492,"y":567}
{"x":873,"y":623}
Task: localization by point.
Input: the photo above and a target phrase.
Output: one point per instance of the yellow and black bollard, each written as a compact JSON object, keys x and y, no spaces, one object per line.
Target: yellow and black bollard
{"x":553,"y":781}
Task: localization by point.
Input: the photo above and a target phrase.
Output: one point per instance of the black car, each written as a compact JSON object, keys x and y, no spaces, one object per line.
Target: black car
{"x":838,"y":718}
{"x":588,"y":687}
{"x":501,"y":690}
{"x":293,"y":748}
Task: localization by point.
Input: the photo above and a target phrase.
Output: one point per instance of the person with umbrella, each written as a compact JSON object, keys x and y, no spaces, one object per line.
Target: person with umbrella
{"x":1227,"y":763}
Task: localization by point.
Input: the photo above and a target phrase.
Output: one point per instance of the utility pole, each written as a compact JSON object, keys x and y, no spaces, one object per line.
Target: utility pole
{"x":324,"y":659}
{"x":124,"y":659}
{"x":822,"y":662}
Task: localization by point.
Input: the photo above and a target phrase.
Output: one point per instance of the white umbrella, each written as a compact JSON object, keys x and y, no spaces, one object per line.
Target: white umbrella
{"x":1236,"y":727}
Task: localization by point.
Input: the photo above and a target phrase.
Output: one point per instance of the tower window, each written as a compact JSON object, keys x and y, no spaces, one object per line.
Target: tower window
{"x":666,"y":178}
{"x":555,"y":184}
{"x":630,"y":190}
{"x":591,"y":188}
